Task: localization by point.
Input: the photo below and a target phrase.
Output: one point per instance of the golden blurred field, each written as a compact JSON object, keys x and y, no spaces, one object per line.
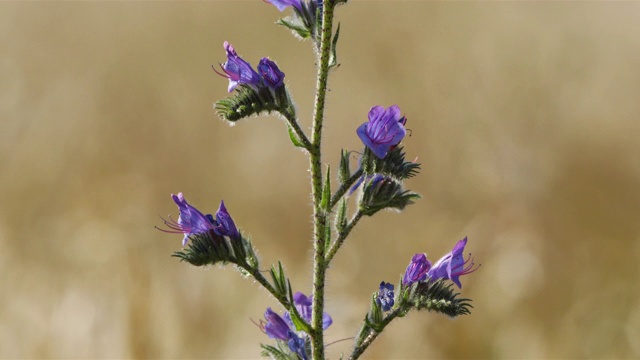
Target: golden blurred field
{"x":523,"y":114}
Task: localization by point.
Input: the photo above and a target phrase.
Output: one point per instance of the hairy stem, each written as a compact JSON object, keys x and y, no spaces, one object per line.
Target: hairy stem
{"x":266,"y":284}
{"x":372,"y":335}
{"x":343,"y":235}
{"x":319,"y":214}
{"x":344,"y":187}
{"x":293,"y":123}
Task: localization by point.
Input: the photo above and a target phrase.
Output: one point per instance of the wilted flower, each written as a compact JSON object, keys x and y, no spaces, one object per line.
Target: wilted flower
{"x":452,"y":265}
{"x":190,"y":222}
{"x":417,"y":269}
{"x":384,"y":130}
{"x":283,"y":4}
{"x":271,"y":74}
{"x":385,"y":296}
{"x":224,"y":224}
{"x":237,"y":70}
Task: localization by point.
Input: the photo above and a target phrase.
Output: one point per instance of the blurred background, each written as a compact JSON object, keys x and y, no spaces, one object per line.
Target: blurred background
{"x":524,"y":116}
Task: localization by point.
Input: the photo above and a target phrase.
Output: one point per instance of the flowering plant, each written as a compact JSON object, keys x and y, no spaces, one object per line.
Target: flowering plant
{"x":299,"y":331}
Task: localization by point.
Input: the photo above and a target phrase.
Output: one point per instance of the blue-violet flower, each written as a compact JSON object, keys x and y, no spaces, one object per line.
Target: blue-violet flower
{"x":277,"y":328}
{"x":385,"y":296}
{"x":283,"y":4}
{"x":453,"y":265}
{"x":384,"y":130}
{"x":237,"y":70}
{"x":304,"y":304}
{"x":417,"y":269}
{"x":271,"y":74}
{"x":190,"y":222}
{"x":224,"y":225}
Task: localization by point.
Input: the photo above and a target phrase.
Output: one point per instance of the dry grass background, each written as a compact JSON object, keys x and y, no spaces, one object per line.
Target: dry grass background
{"x":524,"y":115}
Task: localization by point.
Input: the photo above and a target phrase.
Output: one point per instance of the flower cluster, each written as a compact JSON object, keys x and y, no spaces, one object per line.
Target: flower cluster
{"x":282,"y":327}
{"x":450,"y":267}
{"x":192,"y":222}
{"x":385,"y":296}
{"x":239,"y":71}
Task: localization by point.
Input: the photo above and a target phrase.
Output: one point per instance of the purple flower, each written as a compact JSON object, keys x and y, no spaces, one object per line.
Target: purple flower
{"x":297,"y":345}
{"x":276,"y":327}
{"x":190,"y":222}
{"x":283,"y":4}
{"x":453,"y":265}
{"x":237,"y":70}
{"x":271,"y":74}
{"x":304,"y":304}
{"x":384,"y":130}
{"x":417,"y":269}
{"x":385,"y":296}
{"x":224,"y":225}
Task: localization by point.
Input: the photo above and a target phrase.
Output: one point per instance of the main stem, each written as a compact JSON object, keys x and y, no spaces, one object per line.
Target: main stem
{"x":319,"y":214}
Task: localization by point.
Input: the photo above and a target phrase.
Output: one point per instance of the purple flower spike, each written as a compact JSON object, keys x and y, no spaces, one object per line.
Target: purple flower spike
{"x":384,"y":130}
{"x":417,"y":269}
{"x":385,"y":296}
{"x":283,"y":4}
{"x":271,"y":74}
{"x":224,"y":223}
{"x":190,"y":222}
{"x":276,"y":327}
{"x":237,"y":70}
{"x":453,"y":265}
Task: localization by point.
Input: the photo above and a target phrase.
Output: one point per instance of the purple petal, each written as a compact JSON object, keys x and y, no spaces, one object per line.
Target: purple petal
{"x":283,"y":4}
{"x":226,"y":226}
{"x":276,"y":327}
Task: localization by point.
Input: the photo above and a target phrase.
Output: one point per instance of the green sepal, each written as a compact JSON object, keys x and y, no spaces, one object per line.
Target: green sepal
{"x":247,"y":101}
{"x":375,"y":314}
{"x":341,"y":216}
{"x":438,"y":296}
{"x":273,"y":352}
{"x":344,"y":171}
{"x":279,"y":279}
{"x":207,"y":248}
{"x":333,"y":59}
{"x":393,"y":164}
{"x":294,"y":24}
{"x":384,"y":193}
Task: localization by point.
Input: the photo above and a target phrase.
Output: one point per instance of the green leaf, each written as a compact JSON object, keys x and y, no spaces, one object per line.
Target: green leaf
{"x":333,"y":59}
{"x":294,"y":138}
{"x":345,"y":171}
{"x":273,"y":352}
{"x":279,"y":279}
{"x":326,"y":191}
{"x":327,"y":234}
{"x":341,"y":216}
{"x":296,"y":26}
